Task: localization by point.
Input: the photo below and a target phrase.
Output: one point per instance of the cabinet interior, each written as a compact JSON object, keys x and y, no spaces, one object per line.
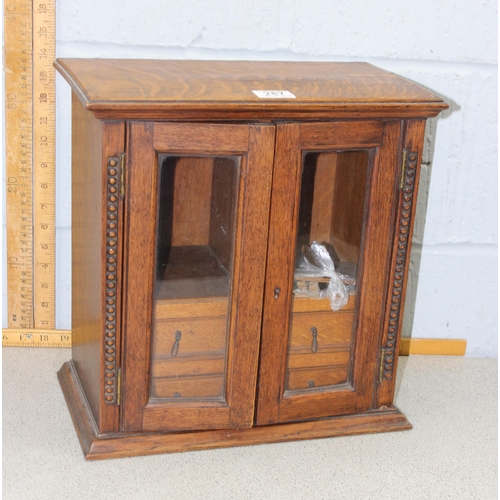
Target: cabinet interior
{"x":331,"y":213}
{"x":197,"y":198}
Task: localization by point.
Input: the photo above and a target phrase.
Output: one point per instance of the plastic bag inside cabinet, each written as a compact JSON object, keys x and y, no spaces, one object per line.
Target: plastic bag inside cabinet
{"x":316,"y":276}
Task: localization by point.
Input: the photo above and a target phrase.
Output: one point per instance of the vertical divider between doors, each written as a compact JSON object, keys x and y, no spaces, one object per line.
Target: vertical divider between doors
{"x":279,"y":274}
{"x":247,"y":298}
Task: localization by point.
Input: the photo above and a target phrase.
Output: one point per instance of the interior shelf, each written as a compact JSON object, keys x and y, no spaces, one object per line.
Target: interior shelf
{"x":193,"y":272}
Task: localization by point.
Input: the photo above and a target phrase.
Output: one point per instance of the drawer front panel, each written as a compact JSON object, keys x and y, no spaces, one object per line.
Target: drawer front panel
{"x":185,"y":366}
{"x":197,"y":335}
{"x":311,"y":378}
{"x":318,"y":359}
{"x":319,"y":349}
{"x":189,"y":358}
{"x":189,"y":387}
{"x":333,"y":329}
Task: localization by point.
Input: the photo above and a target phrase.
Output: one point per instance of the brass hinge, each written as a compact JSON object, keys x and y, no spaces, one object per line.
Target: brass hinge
{"x":122,"y":175}
{"x":119,"y":386}
{"x":381,"y":367}
{"x":403,"y":169}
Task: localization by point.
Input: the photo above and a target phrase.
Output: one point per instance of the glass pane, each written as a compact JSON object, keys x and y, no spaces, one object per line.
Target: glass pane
{"x":194,"y":257}
{"x":332,"y":201}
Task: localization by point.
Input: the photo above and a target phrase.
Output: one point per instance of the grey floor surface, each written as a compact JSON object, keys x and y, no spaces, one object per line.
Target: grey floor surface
{"x":451,"y":453}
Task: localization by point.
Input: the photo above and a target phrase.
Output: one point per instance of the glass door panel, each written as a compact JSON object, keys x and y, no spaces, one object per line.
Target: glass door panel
{"x":328,"y":243}
{"x":195,"y":234}
{"x":197,"y":198}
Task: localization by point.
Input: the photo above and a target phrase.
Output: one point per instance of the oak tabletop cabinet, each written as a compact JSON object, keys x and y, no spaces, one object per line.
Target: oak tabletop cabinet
{"x":202,"y":191}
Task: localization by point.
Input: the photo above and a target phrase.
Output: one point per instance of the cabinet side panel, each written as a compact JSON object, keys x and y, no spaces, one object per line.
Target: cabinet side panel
{"x":92,"y":141}
{"x":87,"y":321}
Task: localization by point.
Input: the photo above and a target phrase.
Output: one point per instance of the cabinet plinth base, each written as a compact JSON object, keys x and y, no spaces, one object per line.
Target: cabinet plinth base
{"x":120,"y":445}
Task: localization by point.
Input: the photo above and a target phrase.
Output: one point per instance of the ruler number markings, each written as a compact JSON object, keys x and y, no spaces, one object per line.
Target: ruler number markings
{"x":36,"y":338}
{"x":44,"y":163}
{"x":18,"y":114}
{"x":30,"y":109}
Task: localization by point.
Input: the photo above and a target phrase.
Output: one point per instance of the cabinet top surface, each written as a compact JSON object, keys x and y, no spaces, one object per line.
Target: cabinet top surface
{"x":178,"y":89}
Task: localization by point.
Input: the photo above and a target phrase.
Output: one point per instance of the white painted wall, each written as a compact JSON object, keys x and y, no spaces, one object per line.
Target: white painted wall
{"x":449,"y":46}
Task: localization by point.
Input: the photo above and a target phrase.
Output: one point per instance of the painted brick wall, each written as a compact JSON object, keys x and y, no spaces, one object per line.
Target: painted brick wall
{"x":449,"y":46}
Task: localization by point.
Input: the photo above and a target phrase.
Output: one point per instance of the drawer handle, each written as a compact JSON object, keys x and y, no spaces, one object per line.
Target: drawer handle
{"x":175,"y":347}
{"x":314,"y":344}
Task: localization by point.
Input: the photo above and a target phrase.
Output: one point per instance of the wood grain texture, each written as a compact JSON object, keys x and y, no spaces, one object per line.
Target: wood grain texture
{"x":222,"y":211}
{"x":356,"y":395}
{"x":322,"y":201}
{"x":249,"y":354}
{"x":280,"y":265}
{"x":78,"y":405}
{"x":249,"y":273}
{"x":87,"y":242}
{"x":217,"y":90}
{"x":93,"y":143}
{"x":406,"y":197}
{"x":324,"y":357}
{"x":348,"y":202}
{"x":198,"y":335}
{"x":139,"y":265}
{"x":187,"y":365}
{"x":321,"y":136}
{"x":177,"y":388}
{"x":179,"y":137}
{"x":332,"y":328}
{"x":96,"y":446}
{"x":311,"y":378}
{"x":191,"y":201}
{"x":191,"y":308}
{"x":179,"y":415}
{"x":376,"y":252}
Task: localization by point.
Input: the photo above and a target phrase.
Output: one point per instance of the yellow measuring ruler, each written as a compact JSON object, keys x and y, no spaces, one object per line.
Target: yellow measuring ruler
{"x":18,"y":39}
{"x":29,"y":35}
{"x":44,"y":163}
{"x":24,"y":337}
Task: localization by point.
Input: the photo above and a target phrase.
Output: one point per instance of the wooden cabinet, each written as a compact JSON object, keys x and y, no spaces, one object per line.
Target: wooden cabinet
{"x":239,"y":258}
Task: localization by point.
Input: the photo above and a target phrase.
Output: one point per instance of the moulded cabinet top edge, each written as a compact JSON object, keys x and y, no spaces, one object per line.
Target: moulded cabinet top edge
{"x":175,"y":89}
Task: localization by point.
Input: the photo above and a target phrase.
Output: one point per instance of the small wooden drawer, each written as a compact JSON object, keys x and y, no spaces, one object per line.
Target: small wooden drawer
{"x":319,"y":350}
{"x":210,"y":386}
{"x":309,"y":378}
{"x":197,"y":335}
{"x":330,"y":328}
{"x":318,"y":359}
{"x":187,"y":365}
{"x":191,"y":308}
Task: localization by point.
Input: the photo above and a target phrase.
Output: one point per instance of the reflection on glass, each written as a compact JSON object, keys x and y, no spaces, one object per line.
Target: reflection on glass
{"x":194,"y":257}
{"x":331,"y":213}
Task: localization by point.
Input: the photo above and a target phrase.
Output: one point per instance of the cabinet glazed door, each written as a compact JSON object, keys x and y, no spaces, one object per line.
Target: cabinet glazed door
{"x":196,"y":225}
{"x":333,"y":201}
